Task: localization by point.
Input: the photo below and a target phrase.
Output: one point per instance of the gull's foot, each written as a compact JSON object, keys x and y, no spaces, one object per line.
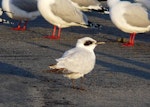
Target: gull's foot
{"x":79,"y":88}
{"x":128,"y":44}
{"x":19,"y":29}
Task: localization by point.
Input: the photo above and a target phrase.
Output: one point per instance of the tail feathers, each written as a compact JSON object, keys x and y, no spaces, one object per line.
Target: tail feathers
{"x":4,"y":21}
{"x":57,"y":71}
{"x":3,"y":11}
{"x":94,"y":25}
{"x":54,"y":69}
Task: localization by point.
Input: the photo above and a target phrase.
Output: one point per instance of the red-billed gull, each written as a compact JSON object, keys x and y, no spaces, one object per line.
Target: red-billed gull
{"x":62,"y":13}
{"x":129,"y":17}
{"x":22,"y":10}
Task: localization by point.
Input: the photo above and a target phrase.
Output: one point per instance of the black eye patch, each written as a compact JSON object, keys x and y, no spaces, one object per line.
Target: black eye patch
{"x":87,"y":43}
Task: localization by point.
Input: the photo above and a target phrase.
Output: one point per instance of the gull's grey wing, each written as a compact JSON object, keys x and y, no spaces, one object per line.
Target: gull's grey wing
{"x":86,"y":3}
{"x":145,"y":3}
{"x":136,"y":15}
{"x":27,"y":5}
{"x":66,"y":11}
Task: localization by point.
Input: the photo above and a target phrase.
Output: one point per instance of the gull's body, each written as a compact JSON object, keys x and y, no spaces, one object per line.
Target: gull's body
{"x":145,"y":3}
{"x":77,"y":62}
{"x":130,"y":18}
{"x":22,"y":10}
{"x":62,"y":13}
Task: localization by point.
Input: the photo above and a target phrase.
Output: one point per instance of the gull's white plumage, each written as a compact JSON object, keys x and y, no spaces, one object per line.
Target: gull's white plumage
{"x":129,"y":17}
{"x":22,"y":10}
{"x":62,"y":13}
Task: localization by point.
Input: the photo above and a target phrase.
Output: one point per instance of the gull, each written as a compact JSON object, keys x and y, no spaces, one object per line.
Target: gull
{"x":62,"y":13}
{"x":129,"y":17}
{"x":145,"y":3}
{"x":90,"y":5}
{"x":22,"y":10}
{"x":78,"y":61}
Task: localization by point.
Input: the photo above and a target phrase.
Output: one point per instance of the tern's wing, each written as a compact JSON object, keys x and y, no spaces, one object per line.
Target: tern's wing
{"x":75,"y":61}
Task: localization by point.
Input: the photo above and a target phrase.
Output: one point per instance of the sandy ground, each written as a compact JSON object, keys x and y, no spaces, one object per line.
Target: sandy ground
{"x":121,"y":77}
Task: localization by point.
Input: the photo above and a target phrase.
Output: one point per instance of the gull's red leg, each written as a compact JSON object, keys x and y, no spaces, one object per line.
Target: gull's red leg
{"x":53,"y":36}
{"x":18,"y":27}
{"x":59,"y":32}
{"x":24,"y":26}
{"x":131,"y":40}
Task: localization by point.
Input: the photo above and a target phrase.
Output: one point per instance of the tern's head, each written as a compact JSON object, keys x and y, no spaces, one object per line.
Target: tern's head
{"x":87,"y":43}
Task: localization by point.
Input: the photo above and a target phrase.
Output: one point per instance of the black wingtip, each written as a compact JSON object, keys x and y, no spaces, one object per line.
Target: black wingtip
{"x":94,"y":25}
{"x":103,"y":10}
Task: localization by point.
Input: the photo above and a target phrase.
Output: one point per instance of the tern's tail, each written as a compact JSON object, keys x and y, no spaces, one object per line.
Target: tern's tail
{"x":94,"y":25}
{"x":55,"y":70}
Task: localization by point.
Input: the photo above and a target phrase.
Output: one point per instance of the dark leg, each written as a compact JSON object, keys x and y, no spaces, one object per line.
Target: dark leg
{"x":73,"y":83}
{"x":81,"y":87}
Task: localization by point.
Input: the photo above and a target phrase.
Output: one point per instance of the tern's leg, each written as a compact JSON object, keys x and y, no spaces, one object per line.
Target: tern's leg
{"x":73,"y":83}
{"x":78,"y":88}
{"x":82,"y":80}
{"x":131,"y":40}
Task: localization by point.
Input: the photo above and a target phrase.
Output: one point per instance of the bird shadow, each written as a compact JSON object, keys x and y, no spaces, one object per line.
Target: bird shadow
{"x":8,"y":69}
{"x":44,"y":46}
{"x":98,"y":15}
{"x":124,"y":69}
{"x":115,"y":32}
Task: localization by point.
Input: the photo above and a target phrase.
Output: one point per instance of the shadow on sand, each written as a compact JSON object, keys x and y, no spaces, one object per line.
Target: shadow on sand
{"x":124,"y":69}
{"x":13,"y":70}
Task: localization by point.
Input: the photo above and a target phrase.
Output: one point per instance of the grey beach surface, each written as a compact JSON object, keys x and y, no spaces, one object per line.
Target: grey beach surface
{"x":121,"y":77}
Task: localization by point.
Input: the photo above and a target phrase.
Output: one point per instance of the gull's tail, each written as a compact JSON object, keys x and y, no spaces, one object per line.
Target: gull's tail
{"x":3,"y":11}
{"x":2,"y":20}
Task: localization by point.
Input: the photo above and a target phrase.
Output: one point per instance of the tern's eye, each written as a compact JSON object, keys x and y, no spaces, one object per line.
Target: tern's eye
{"x":87,"y":43}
